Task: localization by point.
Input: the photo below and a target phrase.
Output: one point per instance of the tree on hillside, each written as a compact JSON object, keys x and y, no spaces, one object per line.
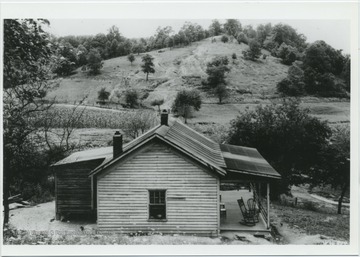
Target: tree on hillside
{"x":232,"y":27}
{"x":216,"y":70}
{"x":103,"y":95}
{"x":242,"y":38}
{"x":249,"y":32}
{"x":254,"y":51}
{"x":334,"y":168}
{"x":131,"y":58}
{"x":286,"y":135}
{"x":27,"y":52}
{"x":221,"y":92}
{"x":322,"y":58}
{"x":287,"y":53}
{"x":293,"y":84}
{"x":148,"y":66}
{"x":131,"y":98}
{"x":262,"y":32}
{"x":346,"y":73}
{"x":234,"y":57}
{"x":215,"y":28}
{"x":81,"y":55}
{"x":94,"y":62}
{"x":185,"y":102}
{"x":224,"y":39}
{"x":158,"y":103}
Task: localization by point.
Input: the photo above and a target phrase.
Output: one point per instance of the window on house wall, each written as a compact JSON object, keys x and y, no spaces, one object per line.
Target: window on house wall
{"x":157,"y":204}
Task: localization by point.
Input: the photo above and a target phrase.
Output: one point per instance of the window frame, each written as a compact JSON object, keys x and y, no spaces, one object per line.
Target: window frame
{"x":150,"y":191}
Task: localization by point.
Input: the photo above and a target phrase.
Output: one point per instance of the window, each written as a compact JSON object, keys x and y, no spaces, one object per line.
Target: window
{"x":157,"y":205}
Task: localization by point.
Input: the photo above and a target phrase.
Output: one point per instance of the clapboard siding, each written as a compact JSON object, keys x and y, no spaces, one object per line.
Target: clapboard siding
{"x":73,"y":187}
{"x":191,"y":193}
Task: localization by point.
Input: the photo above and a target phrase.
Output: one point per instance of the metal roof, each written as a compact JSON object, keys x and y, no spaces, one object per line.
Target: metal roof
{"x":87,"y":155}
{"x":221,"y":157}
{"x":247,"y":160}
{"x":184,"y":139}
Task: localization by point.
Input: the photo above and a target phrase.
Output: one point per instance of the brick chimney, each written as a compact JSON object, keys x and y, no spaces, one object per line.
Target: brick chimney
{"x":164,"y":117}
{"x":117,"y":144}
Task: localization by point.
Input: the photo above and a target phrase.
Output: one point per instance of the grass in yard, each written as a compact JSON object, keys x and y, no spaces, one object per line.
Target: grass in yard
{"x":313,"y":222}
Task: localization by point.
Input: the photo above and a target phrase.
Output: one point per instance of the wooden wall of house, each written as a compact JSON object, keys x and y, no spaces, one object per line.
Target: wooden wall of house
{"x":73,"y":188}
{"x":191,"y":194}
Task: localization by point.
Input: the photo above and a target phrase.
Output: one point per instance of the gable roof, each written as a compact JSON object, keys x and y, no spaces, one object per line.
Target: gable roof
{"x":182,"y":138}
{"x":219,"y":157}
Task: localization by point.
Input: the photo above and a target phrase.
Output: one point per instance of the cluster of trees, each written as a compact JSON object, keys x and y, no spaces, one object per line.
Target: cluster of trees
{"x":301,"y":148}
{"x":323,"y":71}
{"x":89,"y":51}
{"x":281,"y":40}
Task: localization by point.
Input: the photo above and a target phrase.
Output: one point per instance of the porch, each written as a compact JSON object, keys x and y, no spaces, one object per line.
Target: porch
{"x":231,"y":220}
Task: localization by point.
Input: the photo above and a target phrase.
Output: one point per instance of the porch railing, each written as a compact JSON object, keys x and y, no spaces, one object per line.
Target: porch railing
{"x":260,"y":202}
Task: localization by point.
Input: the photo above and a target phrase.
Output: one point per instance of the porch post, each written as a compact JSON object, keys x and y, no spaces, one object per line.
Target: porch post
{"x":268,"y":204}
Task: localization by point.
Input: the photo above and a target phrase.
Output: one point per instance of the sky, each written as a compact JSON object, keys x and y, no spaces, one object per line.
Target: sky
{"x":334,"y":32}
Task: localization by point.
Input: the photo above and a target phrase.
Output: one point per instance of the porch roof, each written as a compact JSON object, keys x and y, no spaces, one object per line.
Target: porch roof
{"x":246,"y":161}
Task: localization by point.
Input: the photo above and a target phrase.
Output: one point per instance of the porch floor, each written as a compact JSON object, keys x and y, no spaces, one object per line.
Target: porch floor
{"x":231,"y":222}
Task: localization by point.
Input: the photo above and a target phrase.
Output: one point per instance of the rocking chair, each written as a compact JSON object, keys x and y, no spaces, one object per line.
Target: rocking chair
{"x":252,"y":209}
{"x":248,"y":216}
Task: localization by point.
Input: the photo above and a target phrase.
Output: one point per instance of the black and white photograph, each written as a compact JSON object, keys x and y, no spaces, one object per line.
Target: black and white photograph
{"x":216,"y":131}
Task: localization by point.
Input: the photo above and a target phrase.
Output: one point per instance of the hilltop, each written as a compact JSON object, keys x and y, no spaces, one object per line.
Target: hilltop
{"x":249,"y":82}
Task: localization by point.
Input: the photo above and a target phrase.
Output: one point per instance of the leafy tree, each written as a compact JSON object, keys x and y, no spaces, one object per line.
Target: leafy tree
{"x":27,"y":53}
{"x":103,"y":95}
{"x":346,"y":73}
{"x":232,"y":27}
{"x":234,"y":57}
{"x":262,"y":32}
{"x":242,"y":38}
{"x":131,"y":98}
{"x":63,"y":66}
{"x":221,"y":92}
{"x":94,"y":62}
{"x":283,"y":33}
{"x":185,"y":101}
{"x":216,"y":70}
{"x":250,"y":32}
{"x":293,"y":84}
{"x":287,"y":54}
{"x":286,"y":135}
{"x":158,"y":103}
{"x":131,"y":58}
{"x":322,"y":58}
{"x":215,"y":28}
{"x":224,"y":39}
{"x":334,"y":168}
{"x":81,"y":55}
{"x":137,"y":123}
{"x":254,"y":51}
{"x":148,"y":66}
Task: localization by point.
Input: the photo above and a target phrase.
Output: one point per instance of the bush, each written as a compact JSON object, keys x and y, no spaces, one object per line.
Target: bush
{"x":254,"y":51}
{"x":224,"y":39}
{"x":131,"y":98}
{"x":242,"y":38}
{"x":103,"y":95}
{"x":310,"y":206}
{"x":290,"y":88}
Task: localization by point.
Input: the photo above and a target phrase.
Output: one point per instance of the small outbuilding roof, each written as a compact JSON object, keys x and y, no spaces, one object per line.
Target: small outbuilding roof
{"x":87,"y":155}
